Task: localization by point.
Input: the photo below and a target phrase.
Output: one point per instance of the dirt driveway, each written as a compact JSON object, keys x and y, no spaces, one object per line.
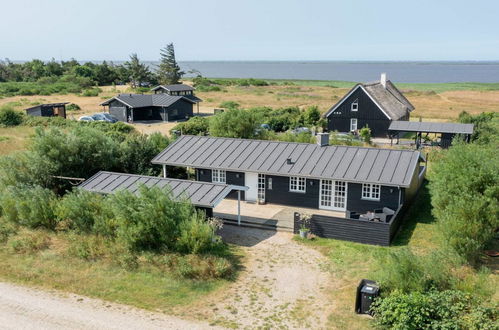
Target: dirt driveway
{"x":284,"y":284}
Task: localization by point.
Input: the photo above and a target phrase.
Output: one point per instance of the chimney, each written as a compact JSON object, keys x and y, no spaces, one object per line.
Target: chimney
{"x":383,"y":79}
{"x":289,"y":161}
{"x":323,"y":139}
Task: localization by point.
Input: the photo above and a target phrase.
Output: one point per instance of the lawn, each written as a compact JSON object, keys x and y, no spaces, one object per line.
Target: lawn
{"x":14,"y":138}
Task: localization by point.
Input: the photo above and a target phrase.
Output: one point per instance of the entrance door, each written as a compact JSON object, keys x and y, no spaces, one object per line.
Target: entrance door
{"x":251,"y":181}
{"x":261,"y":187}
{"x":333,"y":195}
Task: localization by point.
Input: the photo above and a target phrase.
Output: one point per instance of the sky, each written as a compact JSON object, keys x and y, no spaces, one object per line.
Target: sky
{"x":204,"y":30}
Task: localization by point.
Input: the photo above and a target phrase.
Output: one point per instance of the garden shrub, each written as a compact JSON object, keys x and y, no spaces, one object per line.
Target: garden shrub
{"x":465,"y":197}
{"x":10,"y":117}
{"x":196,"y":235}
{"x":433,"y":310}
{"x":29,"y":241}
{"x":137,"y":150}
{"x":194,"y":126}
{"x":235,"y":123}
{"x":81,"y":210}
{"x":29,"y":206}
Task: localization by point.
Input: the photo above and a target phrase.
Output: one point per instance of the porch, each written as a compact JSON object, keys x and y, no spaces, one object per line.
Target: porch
{"x":266,"y":216}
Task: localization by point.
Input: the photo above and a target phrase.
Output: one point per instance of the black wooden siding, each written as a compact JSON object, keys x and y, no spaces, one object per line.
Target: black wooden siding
{"x":368,"y":114}
{"x":234,"y":178}
{"x":280,"y":194}
{"x":44,"y":111}
{"x":354,"y":230}
{"x":184,"y":110}
{"x":389,"y":197}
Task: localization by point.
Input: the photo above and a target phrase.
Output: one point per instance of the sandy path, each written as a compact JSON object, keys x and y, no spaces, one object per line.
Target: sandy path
{"x":25,"y":308}
{"x":284,"y":284}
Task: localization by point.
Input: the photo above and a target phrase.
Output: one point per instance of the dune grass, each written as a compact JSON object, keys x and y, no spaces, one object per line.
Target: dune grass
{"x":14,"y":138}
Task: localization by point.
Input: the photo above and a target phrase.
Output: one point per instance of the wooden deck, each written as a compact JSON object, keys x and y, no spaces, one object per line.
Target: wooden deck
{"x":269,"y":216}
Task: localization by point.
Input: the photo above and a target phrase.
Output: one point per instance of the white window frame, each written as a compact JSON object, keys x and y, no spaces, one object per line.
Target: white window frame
{"x":353,"y":120}
{"x":218,"y":176}
{"x":355,"y":105}
{"x":371,"y":191}
{"x":297,"y":184}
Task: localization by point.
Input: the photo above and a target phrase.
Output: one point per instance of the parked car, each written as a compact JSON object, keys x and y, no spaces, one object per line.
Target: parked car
{"x":86,"y":118}
{"x":104,"y":116}
{"x":299,"y":130}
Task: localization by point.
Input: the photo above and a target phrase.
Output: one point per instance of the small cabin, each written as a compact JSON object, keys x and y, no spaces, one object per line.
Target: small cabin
{"x":178,"y":90}
{"x":48,"y":110}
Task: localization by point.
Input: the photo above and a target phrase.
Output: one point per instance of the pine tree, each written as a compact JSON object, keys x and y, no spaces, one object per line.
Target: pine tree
{"x":137,"y":72}
{"x":169,"y":71}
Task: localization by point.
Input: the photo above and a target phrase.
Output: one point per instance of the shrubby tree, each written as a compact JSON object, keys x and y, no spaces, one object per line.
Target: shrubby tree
{"x":137,"y":150}
{"x":138,"y":72}
{"x":169,"y":71}
{"x":194,"y":126}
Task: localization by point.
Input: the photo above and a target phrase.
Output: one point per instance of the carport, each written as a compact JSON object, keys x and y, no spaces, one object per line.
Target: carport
{"x":203,"y":195}
{"x":447,"y":131}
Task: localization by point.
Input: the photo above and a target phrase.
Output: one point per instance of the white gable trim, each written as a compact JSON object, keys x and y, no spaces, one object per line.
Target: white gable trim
{"x":350,"y":93}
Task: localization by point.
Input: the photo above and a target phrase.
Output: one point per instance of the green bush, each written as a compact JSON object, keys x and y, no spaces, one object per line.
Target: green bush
{"x":91,"y":92}
{"x":88,"y":247}
{"x":235,"y":123}
{"x":464,"y":190}
{"x":80,"y":210}
{"x":10,"y":117}
{"x":229,"y":105}
{"x":433,"y":310}
{"x":30,"y":206}
{"x":72,"y":107}
{"x":7,"y":229}
{"x":365,"y":134}
{"x":194,"y":126}
{"x":137,"y":150}
{"x":196,"y":235}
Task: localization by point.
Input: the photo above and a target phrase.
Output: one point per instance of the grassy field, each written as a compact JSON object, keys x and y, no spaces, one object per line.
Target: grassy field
{"x":14,"y":138}
{"x":148,"y":287}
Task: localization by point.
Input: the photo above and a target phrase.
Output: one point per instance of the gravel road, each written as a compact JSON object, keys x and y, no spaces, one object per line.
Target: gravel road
{"x":26,"y":308}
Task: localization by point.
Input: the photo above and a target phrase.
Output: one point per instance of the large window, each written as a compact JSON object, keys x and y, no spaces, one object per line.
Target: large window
{"x":297,"y":184}
{"x":353,"y":124}
{"x":371,"y":191}
{"x":218,"y":176}
{"x":355,"y":105}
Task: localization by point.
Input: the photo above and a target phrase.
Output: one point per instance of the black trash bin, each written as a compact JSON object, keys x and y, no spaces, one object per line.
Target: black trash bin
{"x":367,"y":291}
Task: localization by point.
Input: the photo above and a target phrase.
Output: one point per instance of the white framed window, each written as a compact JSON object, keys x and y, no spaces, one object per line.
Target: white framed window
{"x":355,"y":105}
{"x":353,"y":124}
{"x":218,"y":176}
{"x":297,"y":184}
{"x":371,"y":191}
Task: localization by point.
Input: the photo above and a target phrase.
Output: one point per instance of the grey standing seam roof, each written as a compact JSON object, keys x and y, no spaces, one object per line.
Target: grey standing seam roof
{"x":355,"y":164}
{"x":175,"y":87}
{"x":431,"y":127}
{"x":148,"y":100}
{"x":203,"y":194}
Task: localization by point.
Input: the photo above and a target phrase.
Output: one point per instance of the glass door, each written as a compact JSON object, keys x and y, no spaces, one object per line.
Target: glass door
{"x":261,"y":187}
{"x":333,"y":195}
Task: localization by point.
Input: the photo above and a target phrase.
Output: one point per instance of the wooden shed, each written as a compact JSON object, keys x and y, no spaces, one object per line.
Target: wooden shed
{"x":48,"y":110}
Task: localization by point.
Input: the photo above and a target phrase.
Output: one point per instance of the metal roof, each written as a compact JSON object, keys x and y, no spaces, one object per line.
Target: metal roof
{"x":431,"y":127}
{"x":389,"y":99}
{"x":203,"y":194}
{"x":175,"y":88}
{"x":353,"y":164}
{"x":48,"y":105}
{"x":147,"y":100}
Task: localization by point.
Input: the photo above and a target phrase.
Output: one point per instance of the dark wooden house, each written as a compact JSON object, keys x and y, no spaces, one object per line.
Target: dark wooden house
{"x":178,"y":90}
{"x":48,"y":110}
{"x":374,"y":105}
{"x":339,"y":178}
{"x":163,"y":107}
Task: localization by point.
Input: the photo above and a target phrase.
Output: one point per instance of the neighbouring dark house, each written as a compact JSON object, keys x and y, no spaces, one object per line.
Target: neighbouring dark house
{"x":48,"y":110}
{"x":178,"y":90}
{"x":164,"y":107}
{"x":349,"y":180}
{"x":374,"y":104}
{"x":202,"y":195}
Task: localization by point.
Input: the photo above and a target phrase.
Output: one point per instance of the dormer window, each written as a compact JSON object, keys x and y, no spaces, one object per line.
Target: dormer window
{"x":355,"y":105}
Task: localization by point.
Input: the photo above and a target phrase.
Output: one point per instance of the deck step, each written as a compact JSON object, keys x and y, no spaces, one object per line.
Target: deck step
{"x":250,"y":224}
